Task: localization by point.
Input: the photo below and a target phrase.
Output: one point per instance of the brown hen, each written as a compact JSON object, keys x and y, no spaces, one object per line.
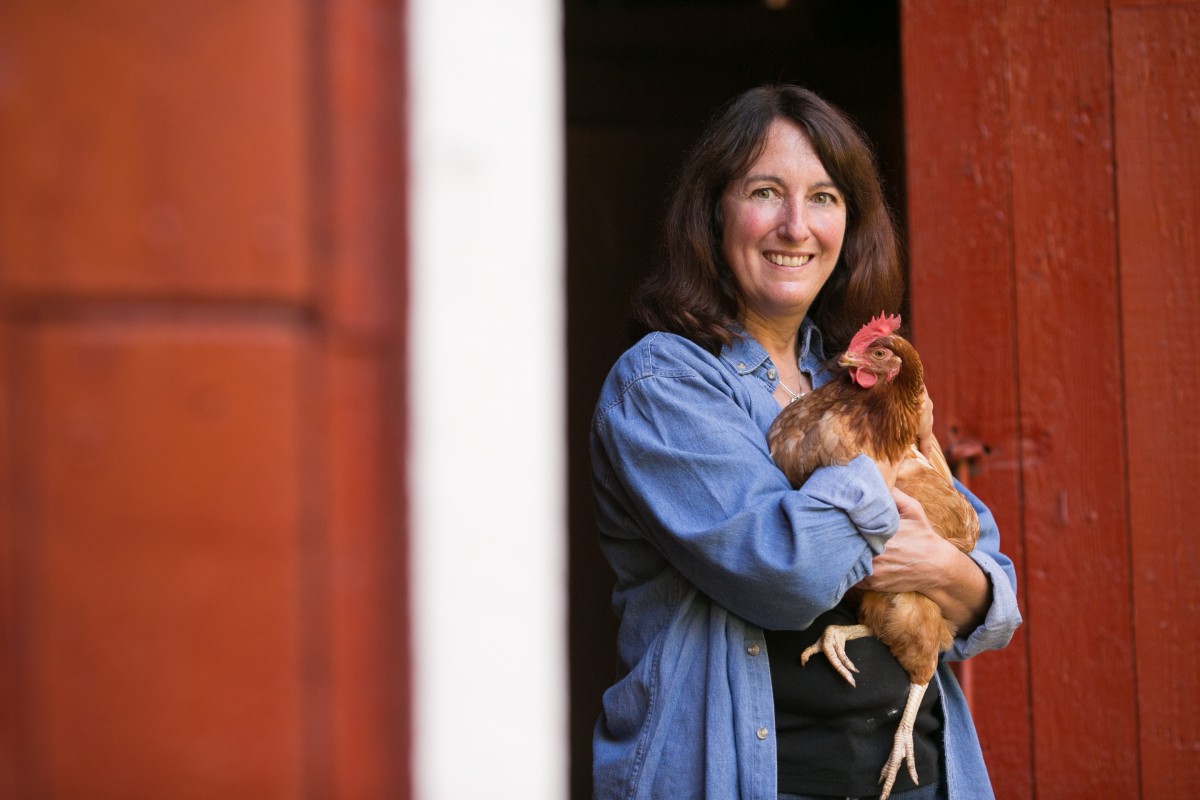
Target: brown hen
{"x":876,"y":408}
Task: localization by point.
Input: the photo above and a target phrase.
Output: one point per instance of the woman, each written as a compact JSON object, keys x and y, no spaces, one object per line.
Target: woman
{"x":778,"y":246}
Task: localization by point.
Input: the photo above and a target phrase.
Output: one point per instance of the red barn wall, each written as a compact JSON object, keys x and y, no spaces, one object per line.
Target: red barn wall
{"x":1054,"y":204}
{"x":201,"y":294}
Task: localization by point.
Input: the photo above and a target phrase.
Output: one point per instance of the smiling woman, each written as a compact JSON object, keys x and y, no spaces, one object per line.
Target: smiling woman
{"x":777,"y":245}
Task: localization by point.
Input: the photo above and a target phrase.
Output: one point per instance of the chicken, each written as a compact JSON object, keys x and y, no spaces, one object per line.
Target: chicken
{"x":876,"y":408}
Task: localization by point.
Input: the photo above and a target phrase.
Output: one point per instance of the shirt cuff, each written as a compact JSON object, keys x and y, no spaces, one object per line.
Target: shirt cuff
{"x":1003,"y":616}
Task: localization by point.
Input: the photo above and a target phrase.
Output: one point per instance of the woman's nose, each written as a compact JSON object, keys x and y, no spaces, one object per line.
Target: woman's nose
{"x":794,"y":224}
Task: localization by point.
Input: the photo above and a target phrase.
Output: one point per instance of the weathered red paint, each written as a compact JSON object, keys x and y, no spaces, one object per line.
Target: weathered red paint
{"x":1052,"y":218}
{"x":962,"y":287}
{"x":1069,"y":350}
{"x":1156,"y":61}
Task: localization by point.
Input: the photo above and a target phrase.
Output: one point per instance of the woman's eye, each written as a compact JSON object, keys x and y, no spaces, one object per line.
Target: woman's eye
{"x":825,"y":198}
{"x":763,"y":193}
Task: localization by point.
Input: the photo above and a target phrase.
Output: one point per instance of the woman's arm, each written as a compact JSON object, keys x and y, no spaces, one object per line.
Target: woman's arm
{"x":680,"y":463}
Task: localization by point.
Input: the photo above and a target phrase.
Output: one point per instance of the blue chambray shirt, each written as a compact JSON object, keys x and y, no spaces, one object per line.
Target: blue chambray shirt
{"x":710,"y":544}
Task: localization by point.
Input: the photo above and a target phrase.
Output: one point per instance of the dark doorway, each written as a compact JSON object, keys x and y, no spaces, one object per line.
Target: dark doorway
{"x":641,"y":80}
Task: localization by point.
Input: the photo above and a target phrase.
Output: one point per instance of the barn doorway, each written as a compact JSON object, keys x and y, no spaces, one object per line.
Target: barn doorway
{"x":642,"y":77}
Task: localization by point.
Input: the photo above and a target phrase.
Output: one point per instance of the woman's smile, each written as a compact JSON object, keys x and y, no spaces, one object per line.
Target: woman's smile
{"x":782,"y":260}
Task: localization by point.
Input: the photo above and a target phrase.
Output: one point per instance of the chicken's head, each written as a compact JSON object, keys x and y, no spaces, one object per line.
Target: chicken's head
{"x":872,"y":354}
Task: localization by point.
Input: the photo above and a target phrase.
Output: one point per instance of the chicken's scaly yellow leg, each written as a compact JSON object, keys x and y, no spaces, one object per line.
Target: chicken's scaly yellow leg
{"x":902,"y":744}
{"x":833,"y":644}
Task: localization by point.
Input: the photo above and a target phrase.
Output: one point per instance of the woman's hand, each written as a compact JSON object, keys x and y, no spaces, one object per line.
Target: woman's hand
{"x":916,"y":559}
{"x":926,"y":427}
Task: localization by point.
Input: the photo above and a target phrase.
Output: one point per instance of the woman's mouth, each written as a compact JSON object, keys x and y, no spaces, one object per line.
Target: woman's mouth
{"x":783,"y":260}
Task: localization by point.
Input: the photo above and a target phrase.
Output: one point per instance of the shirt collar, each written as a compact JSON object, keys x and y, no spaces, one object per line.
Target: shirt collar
{"x":746,"y":355}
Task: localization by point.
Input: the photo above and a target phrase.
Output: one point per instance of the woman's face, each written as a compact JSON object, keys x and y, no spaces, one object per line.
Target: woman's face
{"x":784,"y":222}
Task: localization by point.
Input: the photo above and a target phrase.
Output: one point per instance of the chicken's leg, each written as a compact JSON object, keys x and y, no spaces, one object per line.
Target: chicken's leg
{"x":902,"y":744}
{"x":833,"y":644}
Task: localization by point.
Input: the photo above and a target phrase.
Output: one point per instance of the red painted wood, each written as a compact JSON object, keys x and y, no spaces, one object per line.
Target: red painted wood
{"x":363,"y":304}
{"x":153,"y":149}
{"x":10,"y":743}
{"x":212,"y":200}
{"x":1156,"y":60}
{"x":962,"y":305}
{"x":367,"y":162}
{"x":161,"y":625}
{"x":367,"y":637}
{"x":1068,"y":326}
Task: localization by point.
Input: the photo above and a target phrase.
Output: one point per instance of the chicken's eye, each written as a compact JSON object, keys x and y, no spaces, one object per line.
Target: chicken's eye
{"x":880,"y":353}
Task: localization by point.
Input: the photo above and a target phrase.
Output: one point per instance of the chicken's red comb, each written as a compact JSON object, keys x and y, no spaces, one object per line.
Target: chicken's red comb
{"x":877,"y":327}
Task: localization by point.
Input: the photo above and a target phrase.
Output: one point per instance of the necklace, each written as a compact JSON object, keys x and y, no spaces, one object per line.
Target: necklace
{"x":791,"y":394}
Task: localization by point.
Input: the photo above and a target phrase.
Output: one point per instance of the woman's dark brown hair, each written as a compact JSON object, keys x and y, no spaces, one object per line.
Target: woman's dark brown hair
{"x":692,"y":292}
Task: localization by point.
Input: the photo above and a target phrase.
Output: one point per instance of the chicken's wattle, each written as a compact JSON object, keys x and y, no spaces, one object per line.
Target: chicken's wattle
{"x":864,"y":378}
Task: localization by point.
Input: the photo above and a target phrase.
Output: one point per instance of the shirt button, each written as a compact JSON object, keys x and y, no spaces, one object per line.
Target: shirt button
{"x":753,"y":650}
{"x":762,"y":733}
{"x":741,"y":365}
{"x":771,"y":374}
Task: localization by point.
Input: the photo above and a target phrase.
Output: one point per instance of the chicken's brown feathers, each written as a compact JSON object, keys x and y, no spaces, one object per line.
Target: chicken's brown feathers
{"x":912,"y":627}
{"x":951,"y":515}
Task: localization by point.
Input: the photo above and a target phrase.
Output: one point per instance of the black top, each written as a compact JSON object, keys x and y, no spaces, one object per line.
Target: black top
{"x":834,"y":738}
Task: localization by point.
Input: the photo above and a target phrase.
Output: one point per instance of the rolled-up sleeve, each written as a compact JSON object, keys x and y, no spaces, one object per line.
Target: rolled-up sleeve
{"x":1003,"y":615}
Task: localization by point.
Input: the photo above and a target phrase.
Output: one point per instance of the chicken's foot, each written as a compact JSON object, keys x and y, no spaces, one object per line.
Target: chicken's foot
{"x":902,"y":744}
{"x":833,"y":644}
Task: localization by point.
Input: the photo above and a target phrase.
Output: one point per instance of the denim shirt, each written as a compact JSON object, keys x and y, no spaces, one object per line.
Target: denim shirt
{"x":710,"y":545}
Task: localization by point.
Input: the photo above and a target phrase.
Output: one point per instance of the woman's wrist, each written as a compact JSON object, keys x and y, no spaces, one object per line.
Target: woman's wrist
{"x":963,"y":591}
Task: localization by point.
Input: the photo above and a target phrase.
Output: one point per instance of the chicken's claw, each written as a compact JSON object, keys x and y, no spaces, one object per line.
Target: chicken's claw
{"x":902,"y":743}
{"x":833,"y":644}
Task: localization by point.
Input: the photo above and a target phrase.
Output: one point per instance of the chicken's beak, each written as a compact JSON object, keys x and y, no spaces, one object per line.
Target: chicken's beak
{"x":850,"y":360}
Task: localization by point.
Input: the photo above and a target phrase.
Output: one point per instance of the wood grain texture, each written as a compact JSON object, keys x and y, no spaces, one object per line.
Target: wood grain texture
{"x":962,"y":307}
{"x":1156,"y":60}
{"x":1069,"y":354}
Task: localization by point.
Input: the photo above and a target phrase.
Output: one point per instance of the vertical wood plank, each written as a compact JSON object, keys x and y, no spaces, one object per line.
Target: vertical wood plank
{"x":10,"y":742}
{"x":961,"y":282}
{"x":363,"y":301}
{"x":1156,"y":61}
{"x":216,"y":171}
{"x":1069,"y":351}
{"x":365,"y":214}
{"x":367,"y":642}
{"x":162,"y":632}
